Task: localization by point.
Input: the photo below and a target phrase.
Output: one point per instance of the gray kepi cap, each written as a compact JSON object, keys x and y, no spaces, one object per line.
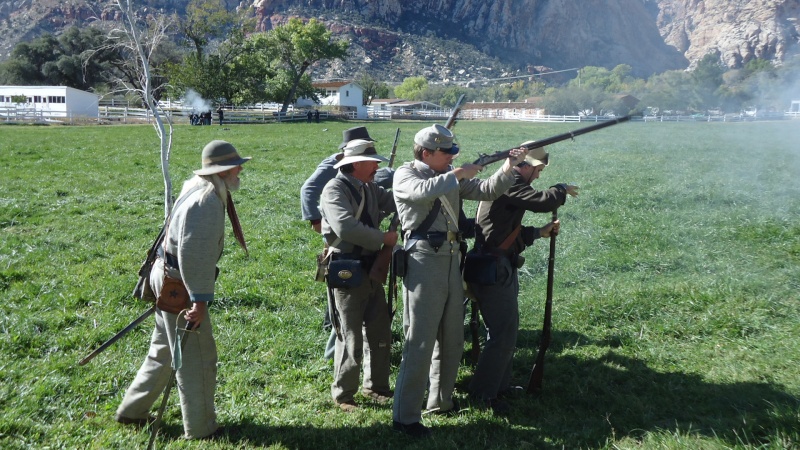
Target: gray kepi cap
{"x":436,"y":137}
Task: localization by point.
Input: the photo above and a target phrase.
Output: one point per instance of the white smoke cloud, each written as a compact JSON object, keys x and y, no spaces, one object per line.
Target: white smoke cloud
{"x":196,"y":101}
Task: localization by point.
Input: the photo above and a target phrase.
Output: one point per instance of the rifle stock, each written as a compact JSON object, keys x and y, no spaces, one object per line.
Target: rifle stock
{"x":383,"y":260}
{"x":537,"y":372}
{"x":142,"y":289}
{"x":451,"y":121}
{"x":484,"y":159}
{"x":474,"y":323}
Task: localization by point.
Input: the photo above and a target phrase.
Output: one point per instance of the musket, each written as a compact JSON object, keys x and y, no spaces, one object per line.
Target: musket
{"x":123,"y":332}
{"x":394,"y":149}
{"x":537,"y":372}
{"x":484,"y":159}
{"x":383,"y":259}
{"x":451,"y":121}
{"x":474,"y":324}
{"x":141,"y":291}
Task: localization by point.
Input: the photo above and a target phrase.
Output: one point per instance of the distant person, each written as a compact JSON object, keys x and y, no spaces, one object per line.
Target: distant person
{"x":309,"y":115}
{"x":192,"y":247}
{"x":428,"y":191}
{"x":316,"y":115}
{"x":500,"y":233}
{"x":220,"y":114}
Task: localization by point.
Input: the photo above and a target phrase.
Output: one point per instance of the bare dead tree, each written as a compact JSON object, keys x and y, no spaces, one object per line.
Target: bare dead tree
{"x":136,"y":38}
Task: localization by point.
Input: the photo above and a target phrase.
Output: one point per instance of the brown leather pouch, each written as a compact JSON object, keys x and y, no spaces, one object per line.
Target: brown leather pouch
{"x":173,"y":297}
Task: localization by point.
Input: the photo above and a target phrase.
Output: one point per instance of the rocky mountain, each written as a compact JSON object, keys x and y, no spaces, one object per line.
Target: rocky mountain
{"x":475,"y":39}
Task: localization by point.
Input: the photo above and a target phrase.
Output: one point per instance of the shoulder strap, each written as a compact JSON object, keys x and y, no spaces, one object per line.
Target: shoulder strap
{"x":505,"y":245}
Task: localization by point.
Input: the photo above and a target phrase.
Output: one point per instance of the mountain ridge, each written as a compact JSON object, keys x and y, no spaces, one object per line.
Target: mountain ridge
{"x":463,"y":40}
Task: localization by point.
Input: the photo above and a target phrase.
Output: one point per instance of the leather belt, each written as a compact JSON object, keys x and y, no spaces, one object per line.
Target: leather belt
{"x":451,"y":236}
{"x":169,"y":259}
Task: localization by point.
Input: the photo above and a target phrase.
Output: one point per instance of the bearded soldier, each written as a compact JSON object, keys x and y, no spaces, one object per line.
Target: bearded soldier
{"x":192,"y":246}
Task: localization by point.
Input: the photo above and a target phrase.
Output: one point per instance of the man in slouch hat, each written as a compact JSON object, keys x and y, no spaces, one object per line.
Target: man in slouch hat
{"x":191,"y":248}
{"x":351,"y":207}
{"x":500,"y":233}
{"x":311,"y":191}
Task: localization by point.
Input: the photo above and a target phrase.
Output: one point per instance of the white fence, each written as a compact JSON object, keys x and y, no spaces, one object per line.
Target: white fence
{"x":108,"y":114}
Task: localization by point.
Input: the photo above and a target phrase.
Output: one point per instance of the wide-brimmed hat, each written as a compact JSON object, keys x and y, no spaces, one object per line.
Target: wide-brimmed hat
{"x":436,"y":137}
{"x":537,"y":156}
{"x":358,"y":150}
{"x":219,"y":156}
{"x":354,"y":133}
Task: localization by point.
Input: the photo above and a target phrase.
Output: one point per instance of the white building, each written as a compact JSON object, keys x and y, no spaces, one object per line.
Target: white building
{"x":47,"y":102}
{"x":343,"y":94}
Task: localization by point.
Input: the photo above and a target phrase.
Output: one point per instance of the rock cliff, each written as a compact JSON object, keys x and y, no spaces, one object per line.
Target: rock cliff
{"x":450,"y":39}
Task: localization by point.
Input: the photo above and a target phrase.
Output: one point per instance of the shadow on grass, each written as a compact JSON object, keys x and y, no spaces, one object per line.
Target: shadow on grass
{"x":591,"y":402}
{"x":584,"y":403}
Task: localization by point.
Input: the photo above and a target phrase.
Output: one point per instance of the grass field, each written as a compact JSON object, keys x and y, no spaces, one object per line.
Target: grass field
{"x":676,"y":308}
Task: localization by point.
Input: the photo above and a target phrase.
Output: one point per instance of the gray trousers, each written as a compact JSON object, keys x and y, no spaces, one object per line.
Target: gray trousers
{"x":195,"y":381}
{"x":363,"y":314}
{"x":500,"y":311}
{"x":433,"y":318}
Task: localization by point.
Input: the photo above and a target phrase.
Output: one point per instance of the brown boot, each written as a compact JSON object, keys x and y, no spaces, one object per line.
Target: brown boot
{"x":347,"y":405}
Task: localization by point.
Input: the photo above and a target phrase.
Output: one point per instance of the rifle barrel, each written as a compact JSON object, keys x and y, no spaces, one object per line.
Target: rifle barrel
{"x":116,"y":337}
{"x":578,"y":132}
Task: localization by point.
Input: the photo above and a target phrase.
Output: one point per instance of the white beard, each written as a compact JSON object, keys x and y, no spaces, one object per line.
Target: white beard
{"x":231,"y":182}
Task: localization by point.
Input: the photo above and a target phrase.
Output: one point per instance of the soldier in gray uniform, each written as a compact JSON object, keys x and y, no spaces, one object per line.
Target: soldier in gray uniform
{"x":192,"y":246}
{"x":351,"y":206}
{"x":428,"y":192}
{"x":500,"y":233}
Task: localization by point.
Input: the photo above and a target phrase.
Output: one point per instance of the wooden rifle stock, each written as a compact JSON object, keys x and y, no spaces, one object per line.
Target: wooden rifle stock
{"x":537,"y":373}
{"x":451,"y":121}
{"x":394,"y":149}
{"x":141,"y":290}
{"x":474,"y":324}
{"x":484,"y":159}
{"x":383,"y":259}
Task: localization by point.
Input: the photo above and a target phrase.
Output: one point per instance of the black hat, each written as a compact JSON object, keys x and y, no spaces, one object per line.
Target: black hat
{"x":354,"y":133}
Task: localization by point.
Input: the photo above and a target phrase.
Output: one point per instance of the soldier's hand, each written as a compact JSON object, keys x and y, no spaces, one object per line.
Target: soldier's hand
{"x":551,"y":229}
{"x":390,"y":238}
{"x":197,"y":313}
{"x":517,"y":155}
{"x":316,"y":226}
{"x":571,"y":189}
{"x":467,"y":171}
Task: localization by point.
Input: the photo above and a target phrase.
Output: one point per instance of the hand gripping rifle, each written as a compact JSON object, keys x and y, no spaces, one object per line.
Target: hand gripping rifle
{"x":142,"y":291}
{"x":484,"y":159}
{"x":537,"y":373}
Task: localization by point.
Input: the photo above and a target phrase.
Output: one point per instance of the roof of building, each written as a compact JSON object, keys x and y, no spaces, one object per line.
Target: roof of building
{"x":331,"y":84}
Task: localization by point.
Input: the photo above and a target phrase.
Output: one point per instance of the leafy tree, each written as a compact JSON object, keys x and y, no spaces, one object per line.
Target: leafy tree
{"x":372,"y":88}
{"x":412,"y":88}
{"x":706,"y":80}
{"x":61,"y":61}
{"x":670,"y":90}
{"x":294,"y":48}
{"x":217,"y":38}
{"x":204,"y":21}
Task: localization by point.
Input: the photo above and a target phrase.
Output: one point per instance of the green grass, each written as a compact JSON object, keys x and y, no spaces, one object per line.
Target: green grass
{"x":675,"y":308}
